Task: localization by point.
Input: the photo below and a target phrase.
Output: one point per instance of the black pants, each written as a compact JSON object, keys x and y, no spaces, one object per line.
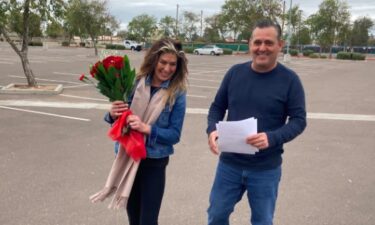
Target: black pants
{"x":147,"y":192}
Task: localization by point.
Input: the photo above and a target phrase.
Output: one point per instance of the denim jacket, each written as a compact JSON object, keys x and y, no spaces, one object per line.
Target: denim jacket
{"x":166,"y":131}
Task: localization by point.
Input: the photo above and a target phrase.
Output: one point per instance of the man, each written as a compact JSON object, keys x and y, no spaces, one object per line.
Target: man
{"x":273,"y":94}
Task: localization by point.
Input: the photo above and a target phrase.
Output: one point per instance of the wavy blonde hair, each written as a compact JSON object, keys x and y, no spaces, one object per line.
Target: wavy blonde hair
{"x":178,"y":82}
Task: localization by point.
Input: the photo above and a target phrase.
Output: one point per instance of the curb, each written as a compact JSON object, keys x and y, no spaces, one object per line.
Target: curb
{"x":42,"y":89}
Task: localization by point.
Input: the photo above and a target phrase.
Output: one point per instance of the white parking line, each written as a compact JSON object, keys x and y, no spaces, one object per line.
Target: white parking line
{"x":80,"y":97}
{"x":215,"y":81}
{"x":202,"y":111}
{"x":207,"y":71}
{"x":7,"y":63}
{"x":323,"y":116}
{"x":196,"y":96}
{"x":71,"y":105}
{"x":44,"y":113}
{"x":69,"y":82}
{"x":68,"y":74}
{"x":200,"y":86}
{"x":76,"y":86}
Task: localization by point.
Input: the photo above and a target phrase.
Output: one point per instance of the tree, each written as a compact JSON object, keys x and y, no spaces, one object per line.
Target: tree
{"x":235,"y":14}
{"x":190,"y":25}
{"x":122,"y":34}
{"x":328,"y":22}
{"x":271,"y":9}
{"x":45,"y":9}
{"x":241,"y":15}
{"x":16,"y":24}
{"x":214,"y":30}
{"x":111,"y":26}
{"x":361,"y":29}
{"x":54,"y":29}
{"x":88,"y":18}
{"x":142,"y":27}
{"x":302,"y":37}
{"x":168,"y":26}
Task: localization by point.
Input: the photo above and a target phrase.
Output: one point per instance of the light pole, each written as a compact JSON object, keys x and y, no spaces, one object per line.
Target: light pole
{"x":201,"y":23}
{"x":287,"y":55}
{"x":177,"y":22}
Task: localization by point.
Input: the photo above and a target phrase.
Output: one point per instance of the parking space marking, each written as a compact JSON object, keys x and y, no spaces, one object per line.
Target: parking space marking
{"x":324,"y":116}
{"x":8,"y":63}
{"x":206,"y":71}
{"x":63,"y":81}
{"x":67,"y":74}
{"x":76,"y":86}
{"x":80,"y":97}
{"x":70,"y":105}
{"x":196,"y":96}
{"x":215,"y":81}
{"x":44,"y":113}
{"x":200,"y":86}
{"x":202,"y":111}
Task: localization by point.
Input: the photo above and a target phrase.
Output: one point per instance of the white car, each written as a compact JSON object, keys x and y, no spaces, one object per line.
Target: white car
{"x":208,"y":50}
{"x":132,"y":45}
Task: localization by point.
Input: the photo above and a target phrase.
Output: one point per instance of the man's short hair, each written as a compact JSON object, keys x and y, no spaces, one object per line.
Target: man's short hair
{"x":264,"y":23}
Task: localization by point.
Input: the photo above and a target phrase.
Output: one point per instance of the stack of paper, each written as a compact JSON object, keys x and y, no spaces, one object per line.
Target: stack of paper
{"x":233,"y":134}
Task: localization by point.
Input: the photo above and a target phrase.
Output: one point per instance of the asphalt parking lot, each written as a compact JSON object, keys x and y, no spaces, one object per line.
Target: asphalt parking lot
{"x":54,"y":151}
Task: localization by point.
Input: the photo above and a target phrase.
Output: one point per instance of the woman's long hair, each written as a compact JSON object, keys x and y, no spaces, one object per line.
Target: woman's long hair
{"x":178,"y":82}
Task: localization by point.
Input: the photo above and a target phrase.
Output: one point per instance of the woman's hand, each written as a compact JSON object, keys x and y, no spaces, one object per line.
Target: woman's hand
{"x":117,"y":108}
{"x":135,"y":123}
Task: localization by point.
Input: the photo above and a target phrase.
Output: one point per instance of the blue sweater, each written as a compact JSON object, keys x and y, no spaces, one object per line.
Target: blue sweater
{"x":275,"y":98}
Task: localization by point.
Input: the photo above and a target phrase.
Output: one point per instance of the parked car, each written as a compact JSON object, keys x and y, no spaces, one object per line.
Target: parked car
{"x":314,"y":48}
{"x":208,"y":50}
{"x":132,"y":45}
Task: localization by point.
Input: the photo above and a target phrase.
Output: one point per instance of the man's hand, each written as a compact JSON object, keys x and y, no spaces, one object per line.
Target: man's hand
{"x":259,"y":140}
{"x":212,"y":142}
{"x":117,"y":108}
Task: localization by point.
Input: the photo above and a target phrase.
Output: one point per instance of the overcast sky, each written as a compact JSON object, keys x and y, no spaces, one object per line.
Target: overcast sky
{"x":125,"y":10}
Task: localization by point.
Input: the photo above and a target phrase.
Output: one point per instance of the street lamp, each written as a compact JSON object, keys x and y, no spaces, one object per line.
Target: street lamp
{"x":287,"y":55}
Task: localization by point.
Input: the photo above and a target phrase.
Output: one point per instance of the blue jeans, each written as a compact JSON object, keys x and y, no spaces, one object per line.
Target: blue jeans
{"x":229,"y":186}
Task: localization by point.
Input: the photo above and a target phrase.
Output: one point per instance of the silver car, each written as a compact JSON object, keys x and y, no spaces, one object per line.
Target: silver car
{"x":208,"y":50}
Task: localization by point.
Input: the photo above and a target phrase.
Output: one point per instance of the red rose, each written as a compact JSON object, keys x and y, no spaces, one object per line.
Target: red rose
{"x":82,"y":77}
{"x":94,"y":69}
{"x":116,"y":61}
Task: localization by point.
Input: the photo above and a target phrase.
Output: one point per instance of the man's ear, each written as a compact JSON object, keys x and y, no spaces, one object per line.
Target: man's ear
{"x":281,"y":43}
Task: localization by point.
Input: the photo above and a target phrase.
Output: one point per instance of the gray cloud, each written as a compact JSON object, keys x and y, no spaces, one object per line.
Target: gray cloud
{"x":126,"y":10}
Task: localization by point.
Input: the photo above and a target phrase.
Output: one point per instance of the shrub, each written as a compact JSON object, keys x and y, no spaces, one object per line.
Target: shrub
{"x":293,"y":52}
{"x":314,"y":56}
{"x":113,"y":46}
{"x":307,"y":52}
{"x":323,"y":56}
{"x":358,"y":56}
{"x":188,"y":49}
{"x":65,"y":43}
{"x":35,"y":43}
{"x":227,"y":51}
{"x":82,"y":44}
{"x":350,"y":56}
{"x":343,"y":55}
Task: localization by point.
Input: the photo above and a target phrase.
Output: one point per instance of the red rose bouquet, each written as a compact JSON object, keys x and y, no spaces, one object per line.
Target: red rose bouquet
{"x":115,"y":78}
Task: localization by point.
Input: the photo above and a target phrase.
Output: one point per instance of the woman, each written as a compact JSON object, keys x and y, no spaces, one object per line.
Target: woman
{"x":163,"y":73}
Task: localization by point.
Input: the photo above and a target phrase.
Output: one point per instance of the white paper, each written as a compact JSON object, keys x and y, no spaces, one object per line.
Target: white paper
{"x":232,"y":135}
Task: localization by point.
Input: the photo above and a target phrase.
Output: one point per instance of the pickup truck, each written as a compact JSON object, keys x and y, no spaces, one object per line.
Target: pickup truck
{"x":132,"y":45}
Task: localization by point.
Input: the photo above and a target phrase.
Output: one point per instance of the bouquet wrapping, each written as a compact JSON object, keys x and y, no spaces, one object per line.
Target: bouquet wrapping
{"x":115,"y":80}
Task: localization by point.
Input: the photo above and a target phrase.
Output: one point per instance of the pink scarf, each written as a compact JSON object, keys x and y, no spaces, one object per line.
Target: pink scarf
{"x":124,"y":169}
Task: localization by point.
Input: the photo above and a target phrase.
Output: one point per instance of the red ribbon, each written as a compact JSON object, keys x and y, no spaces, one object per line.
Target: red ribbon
{"x":132,"y":141}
